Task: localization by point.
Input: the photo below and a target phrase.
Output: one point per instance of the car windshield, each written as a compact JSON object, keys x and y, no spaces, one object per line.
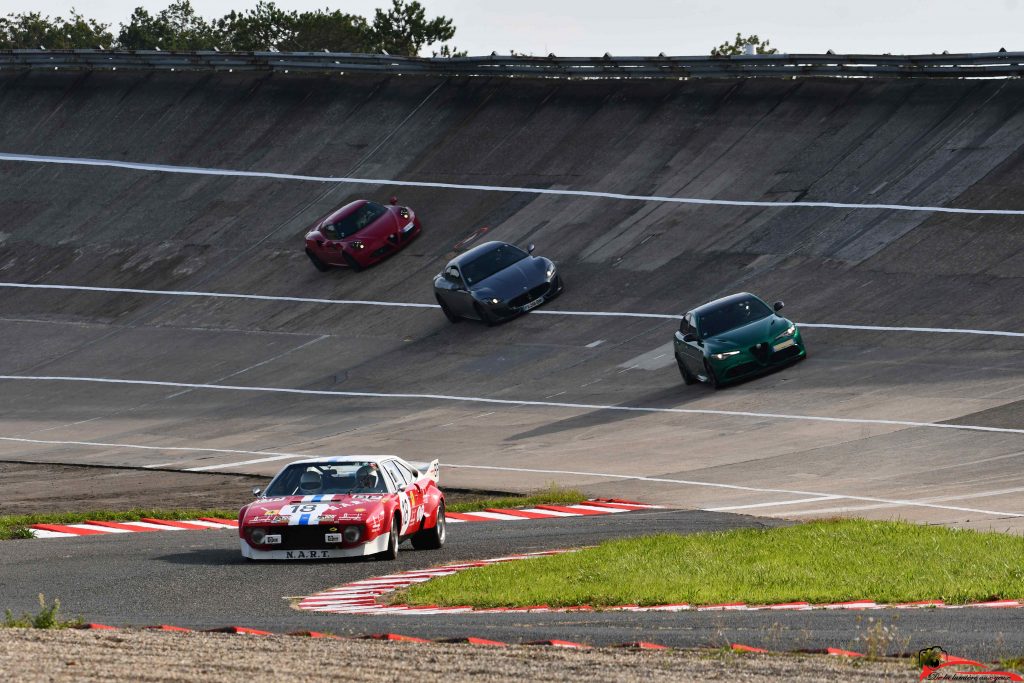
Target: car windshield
{"x":729,"y":316}
{"x":305,"y":479}
{"x":489,"y":263}
{"x":354,"y":222}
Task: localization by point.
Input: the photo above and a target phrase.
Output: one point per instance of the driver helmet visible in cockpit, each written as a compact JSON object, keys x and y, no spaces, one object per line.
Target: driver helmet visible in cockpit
{"x":310,"y":482}
{"x":367,"y":478}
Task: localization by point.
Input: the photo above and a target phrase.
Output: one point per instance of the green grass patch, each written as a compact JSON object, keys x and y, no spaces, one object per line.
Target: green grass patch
{"x":817,"y":562}
{"x":46,"y":618}
{"x":17,"y":526}
{"x":552,"y":495}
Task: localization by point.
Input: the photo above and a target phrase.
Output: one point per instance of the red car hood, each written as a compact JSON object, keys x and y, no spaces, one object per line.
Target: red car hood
{"x":312,"y":510}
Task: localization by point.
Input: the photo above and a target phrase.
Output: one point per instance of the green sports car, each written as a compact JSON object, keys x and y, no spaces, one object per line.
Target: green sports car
{"x":735,"y":337}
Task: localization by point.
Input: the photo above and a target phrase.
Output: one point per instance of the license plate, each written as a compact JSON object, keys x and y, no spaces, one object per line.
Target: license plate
{"x":533,"y":304}
{"x":272,"y":539}
{"x":332,"y":538}
{"x":784,"y":345}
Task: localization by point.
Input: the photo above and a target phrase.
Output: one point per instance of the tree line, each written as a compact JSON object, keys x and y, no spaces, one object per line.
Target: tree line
{"x":402,"y":29}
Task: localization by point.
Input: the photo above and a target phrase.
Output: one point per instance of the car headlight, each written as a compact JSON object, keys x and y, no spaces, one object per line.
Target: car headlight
{"x":351,"y":534}
{"x":404,"y":213}
{"x":550,"y":272}
{"x":257,"y":535}
{"x":724,"y":354}
{"x":788,"y":333}
{"x":356,"y":244}
{"x":494,"y":301}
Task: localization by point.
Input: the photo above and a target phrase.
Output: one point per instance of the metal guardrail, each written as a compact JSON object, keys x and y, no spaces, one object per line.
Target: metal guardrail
{"x":986,"y":65}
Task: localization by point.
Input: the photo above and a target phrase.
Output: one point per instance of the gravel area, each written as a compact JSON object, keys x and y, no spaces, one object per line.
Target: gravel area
{"x":34,"y":656}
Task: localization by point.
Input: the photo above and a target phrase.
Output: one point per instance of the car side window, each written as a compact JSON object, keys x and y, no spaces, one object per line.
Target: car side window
{"x":392,"y":467}
{"x":686,"y":326}
{"x":452,"y":274}
{"x":389,"y":480}
{"x":409,"y":474}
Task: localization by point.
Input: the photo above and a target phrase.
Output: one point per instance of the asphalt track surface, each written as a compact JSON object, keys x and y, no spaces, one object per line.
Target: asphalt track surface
{"x":198,"y":580}
{"x":589,"y":401}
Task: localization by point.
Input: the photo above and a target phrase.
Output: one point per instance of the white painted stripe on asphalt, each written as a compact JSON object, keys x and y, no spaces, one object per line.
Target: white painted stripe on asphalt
{"x":97,"y":527}
{"x":733,"y":487}
{"x":490,"y":515}
{"x":764,"y":505}
{"x":581,"y":506}
{"x":212,"y":525}
{"x":551,"y":513}
{"x":46,"y":533}
{"x":231,"y":173}
{"x":508,"y":402}
{"x":159,"y":527}
{"x":185,"y":449}
{"x":399,"y":304}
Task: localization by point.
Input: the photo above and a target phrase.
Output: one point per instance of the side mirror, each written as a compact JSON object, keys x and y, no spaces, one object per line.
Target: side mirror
{"x":529,"y":249}
{"x":393,"y":200}
{"x":691,"y":337}
{"x":778,"y":306}
{"x":256,"y":491}
{"x":679,"y":336}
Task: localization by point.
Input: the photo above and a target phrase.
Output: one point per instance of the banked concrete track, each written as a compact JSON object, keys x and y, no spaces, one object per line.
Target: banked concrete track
{"x":954,"y":144}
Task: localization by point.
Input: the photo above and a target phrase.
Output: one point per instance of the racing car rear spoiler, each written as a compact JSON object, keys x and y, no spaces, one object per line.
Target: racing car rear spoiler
{"x":432,"y":469}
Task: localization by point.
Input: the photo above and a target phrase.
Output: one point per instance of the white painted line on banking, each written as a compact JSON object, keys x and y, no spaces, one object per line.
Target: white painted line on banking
{"x":512,"y":402}
{"x":193,"y":170}
{"x":598,"y":475}
{"x":814,"y":499}
{"x":736,"y":487}
{"x":400,"y":304}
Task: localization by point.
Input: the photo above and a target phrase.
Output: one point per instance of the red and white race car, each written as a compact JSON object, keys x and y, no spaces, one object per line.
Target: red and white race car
{"x":344,"y":507}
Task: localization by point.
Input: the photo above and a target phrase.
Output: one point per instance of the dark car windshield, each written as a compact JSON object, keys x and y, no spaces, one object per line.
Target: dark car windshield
{"x":327,"y":478}
{"x":729,"y":316}
{"x":354,"y":222}
{"x":486,"y":265}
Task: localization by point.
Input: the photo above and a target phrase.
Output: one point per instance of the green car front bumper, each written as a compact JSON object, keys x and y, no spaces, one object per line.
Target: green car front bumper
{"x":758,"y":359}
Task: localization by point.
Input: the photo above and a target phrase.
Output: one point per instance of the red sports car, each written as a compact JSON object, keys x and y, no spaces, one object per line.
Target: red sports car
{"x":360,"y":234}
{"x":344,"y":507}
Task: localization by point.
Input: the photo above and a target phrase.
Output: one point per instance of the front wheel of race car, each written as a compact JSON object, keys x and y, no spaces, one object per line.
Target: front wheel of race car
{"x":392,"y":551}
{"x":432,"y":538}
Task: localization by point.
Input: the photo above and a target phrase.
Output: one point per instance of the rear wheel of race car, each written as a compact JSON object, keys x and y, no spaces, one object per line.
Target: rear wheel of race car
{"x":351,"y":262}
{"x":392,"y":551}
{"x":687,"y":376}
{"x":432,"y":538}
{"x":317,"y":263}
{"x":447,"y":311}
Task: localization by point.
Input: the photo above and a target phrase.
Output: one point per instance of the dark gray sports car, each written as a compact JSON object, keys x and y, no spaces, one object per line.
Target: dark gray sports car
{"x":495,"y":281}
